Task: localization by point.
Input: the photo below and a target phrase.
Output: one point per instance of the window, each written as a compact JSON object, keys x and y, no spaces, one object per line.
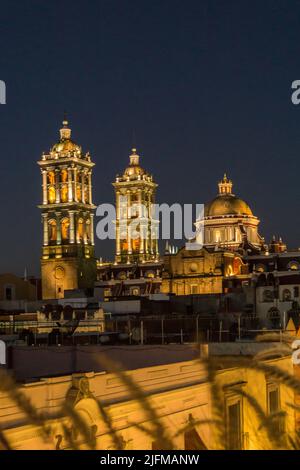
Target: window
{"x":80,"y":230}
{"x":64,"y":176}
{"x":65,"y":224}
{"x":234,"y":424}
{"x":51,"y":177}
{"x":293,"y":265}
{"x":296,"y":292}
{"x":51,"y":194}
{"x":88,"y":230}
{"x":260,"y":268}
{"x":8,"y":293}
{"x":135,"y":291}
{"x":107,"y":292}
{"x":194,"y":289}
{"x":286,"y":295}
{"x":268,"y":296}
{"x":64,"y":193}
{"x":52,"y":230}
{"x":273,"y":407}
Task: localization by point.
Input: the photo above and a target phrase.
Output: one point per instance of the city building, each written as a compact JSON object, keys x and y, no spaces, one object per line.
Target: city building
{"x":179,"y":398}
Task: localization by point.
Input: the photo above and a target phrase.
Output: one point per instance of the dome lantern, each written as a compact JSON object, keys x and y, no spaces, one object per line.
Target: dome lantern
{"x":65,"y":131}
{"x":225,"y":185}
{"x":134,"y":158}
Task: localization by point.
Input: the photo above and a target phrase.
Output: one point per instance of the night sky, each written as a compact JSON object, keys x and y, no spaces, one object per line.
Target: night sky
{"x":206,"y":85}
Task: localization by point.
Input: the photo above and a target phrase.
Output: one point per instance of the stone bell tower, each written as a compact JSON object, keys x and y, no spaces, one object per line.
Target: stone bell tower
{"x":136,"y":227}
{"x":68,"y":260}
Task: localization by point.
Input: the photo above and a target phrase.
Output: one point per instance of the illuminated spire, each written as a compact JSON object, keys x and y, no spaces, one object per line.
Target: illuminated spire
{"x":65,"y":131}
{"x":225,"y":186}
{"x":134,"y":158}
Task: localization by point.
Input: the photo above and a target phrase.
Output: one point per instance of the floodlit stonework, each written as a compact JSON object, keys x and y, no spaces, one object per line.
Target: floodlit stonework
{"x":180,"y":395}
{"x":68,"y":260}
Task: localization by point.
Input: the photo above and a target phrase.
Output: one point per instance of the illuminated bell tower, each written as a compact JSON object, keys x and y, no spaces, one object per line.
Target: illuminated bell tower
{"x":68,"y":260}
{"x":136,"y":227}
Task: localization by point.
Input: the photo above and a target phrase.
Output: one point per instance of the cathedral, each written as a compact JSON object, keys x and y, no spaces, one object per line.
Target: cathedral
{"x":230,"y":233}
{"x":232,"y":254}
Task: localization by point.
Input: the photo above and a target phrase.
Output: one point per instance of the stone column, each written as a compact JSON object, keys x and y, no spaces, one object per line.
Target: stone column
{"x":82,"y":187}
{"x":70,"y":192}
{"x":156,"y":242}
{"x":45,"y":192}
{"x":72,"y":226}
{"x":92,"y":229}
{"x":143,"y":228}
{"x":128,"y":201}
{"x":118,"y":205}
{"x":57,"y":189}
{"x":84,"y":228}
{"x":140,"y":214}
{"x":90,"y":187}
{"x":58,"y":228}
{"x":150,"y":215}
{"x":129,"y":239}
{"x":45,"y":229}
{"x":75,"y":184}
{"x":118,"y":244}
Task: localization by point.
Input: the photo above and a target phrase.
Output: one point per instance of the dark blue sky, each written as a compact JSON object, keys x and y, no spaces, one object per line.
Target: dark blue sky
{"x":205,"y":84}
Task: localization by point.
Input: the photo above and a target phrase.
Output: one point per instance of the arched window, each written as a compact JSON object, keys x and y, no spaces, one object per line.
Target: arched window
{"x":65,"y":224}
{"x":86,"y":194}
{"x":122,"y":275}
{"x":64,"y":176}
{"x":52,"y":230}
{"x":260,"y":268}
{"x":51,"y":194}
{"x":150,"y":274}
{"x":51,"y":177}
{"x":64,"y":193}
{"x":80,"y":230}
{"x":294,"y":265}
{"x":78,"y":192}
{"x":88,"y":230}
{"x":268,"y":295}
{"x":136,"y":245}
{"x":286,"y":295}
{"x":135,"y":291}
{"x":274,"y":317}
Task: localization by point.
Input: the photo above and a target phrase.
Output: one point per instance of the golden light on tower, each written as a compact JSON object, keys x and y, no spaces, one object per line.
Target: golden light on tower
{"x":68,"y":217}
{"x":135,"y":196}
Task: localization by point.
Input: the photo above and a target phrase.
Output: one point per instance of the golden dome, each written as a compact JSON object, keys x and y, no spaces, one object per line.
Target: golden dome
{"x":134,"y":168}
{"x":65,"y":144}
{"x":227,"y":203}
